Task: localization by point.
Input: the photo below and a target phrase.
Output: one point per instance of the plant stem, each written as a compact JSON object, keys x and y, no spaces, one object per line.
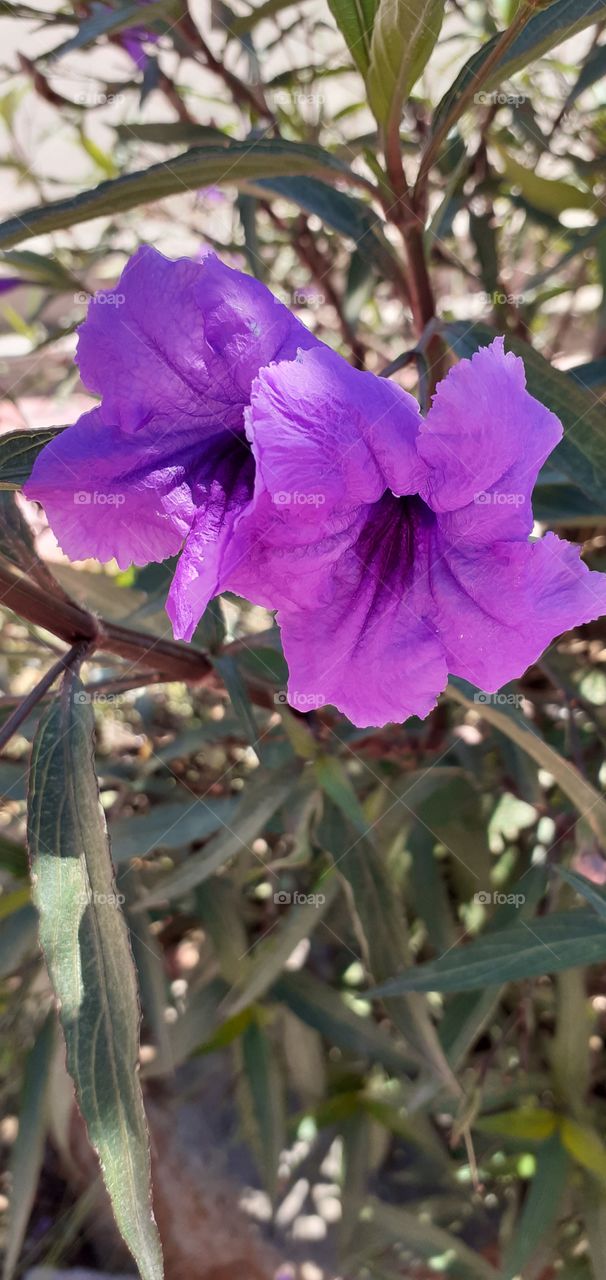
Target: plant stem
{"x":460,"y":104}
{"x":73,"y":625}
{"x":402,"y":213}
{"x":67,"y":660}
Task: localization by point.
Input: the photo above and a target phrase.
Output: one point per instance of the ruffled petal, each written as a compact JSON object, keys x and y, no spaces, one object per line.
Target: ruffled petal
{"x":327,"y":437}
{"x":497,"y":610}
{"x":484,"y":441}
{"x":183,"y":338}
{"x":107,"y":495}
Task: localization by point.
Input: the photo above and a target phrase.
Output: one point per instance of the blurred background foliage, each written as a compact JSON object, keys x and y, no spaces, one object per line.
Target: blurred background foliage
{"x":275,"y":869}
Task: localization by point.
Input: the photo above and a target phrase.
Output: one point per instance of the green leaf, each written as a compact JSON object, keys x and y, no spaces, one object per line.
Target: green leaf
{"x":403,"y":37}
{"x":234,"y":164}
{"x":40,"y":269}
{"x":170,"y":826}
{"x":264,"y":1106}
{"x":526,"y":1124}
{"x":382,"y":931}
{"x":581,"y":454}
{"x":354,"y":19}
{"x":548,"y":195}
{"x":18,"y":452}
{"x":590,"y":892}
{"x":324,"y":1009}
{"x":411,"y":1231}
{"x":541,"y":1206}
{"x":336,"y":783}
{"x":590,"y":804}
{"x":243,"y":709}
{"x":271,"y":955}
{"x":151,"y":975}
{"x":585,"y":1146}
{"x":27,"y":1153}
{"x":343,"y":213}
{"x":545,"y":29}
{"x":259,"y":803}
{"x":579,"y":242}
{"x":18,"y":939}
{"x":548,"y":944}
{"x":593,"y":372}
{"x":172,"y":133}
{"x":85,"y":944}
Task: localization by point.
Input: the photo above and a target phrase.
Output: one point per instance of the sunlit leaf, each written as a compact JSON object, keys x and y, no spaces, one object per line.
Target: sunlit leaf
{"x":403,"y":36}
{"x":354,"y":19}
{"x":585,"y":1146}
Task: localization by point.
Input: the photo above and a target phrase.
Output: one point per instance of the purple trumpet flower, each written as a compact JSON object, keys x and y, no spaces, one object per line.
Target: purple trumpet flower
{"x":395,"y":549}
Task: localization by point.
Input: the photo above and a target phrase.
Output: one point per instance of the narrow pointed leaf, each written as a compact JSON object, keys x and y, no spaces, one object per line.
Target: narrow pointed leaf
{"x":85,"y":944}
{"x":235,"y":164}
{"x":404,"y":34}
{"x":549,"y":944}
{"x":541,"y":1206}
{"x":258,"y":805}
{"x":543,"y":32}
{"x":592,"y":893}
{"x":354,"y":19}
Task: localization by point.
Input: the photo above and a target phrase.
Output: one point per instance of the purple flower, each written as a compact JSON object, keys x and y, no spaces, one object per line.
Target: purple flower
{"x":395,"y":549}
{"x":163,"y":465}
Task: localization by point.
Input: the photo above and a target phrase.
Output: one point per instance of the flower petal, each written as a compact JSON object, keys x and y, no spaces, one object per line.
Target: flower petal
{"x":108,"y":495}
{"x":497,"y":611}
{"x":327,"y":436}
{"x":183,"y":338}
{"x":351,"y":624}
{"x":223,"y":490}
{"x":484,"y":440}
